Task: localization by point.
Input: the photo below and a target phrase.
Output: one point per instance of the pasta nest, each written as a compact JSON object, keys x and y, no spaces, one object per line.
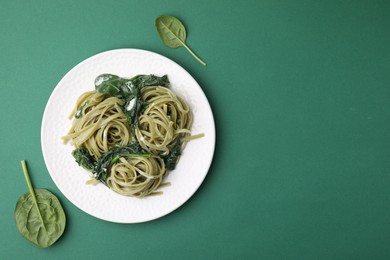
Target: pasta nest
{"x":166,"y":118}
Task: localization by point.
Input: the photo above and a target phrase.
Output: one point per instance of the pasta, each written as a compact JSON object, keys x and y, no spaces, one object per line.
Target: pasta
{"x":137,"y":177}
{"x":166,"y":119}
{"x":130,"y":132}
{"x":99,"y":125}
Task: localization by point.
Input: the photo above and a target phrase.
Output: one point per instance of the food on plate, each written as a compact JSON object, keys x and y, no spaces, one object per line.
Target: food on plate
{"x":129,"y":133}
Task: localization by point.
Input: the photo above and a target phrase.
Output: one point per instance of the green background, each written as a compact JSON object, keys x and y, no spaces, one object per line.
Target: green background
{"x":300,"y":92}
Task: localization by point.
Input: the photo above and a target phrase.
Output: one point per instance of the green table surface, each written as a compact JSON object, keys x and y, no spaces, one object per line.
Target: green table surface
{"x":300,"y":92}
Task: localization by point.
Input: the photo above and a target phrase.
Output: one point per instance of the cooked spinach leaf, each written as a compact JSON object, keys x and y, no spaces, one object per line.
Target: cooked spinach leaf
{"x":39,"y":215}
{"x":113,"y":85}
{"x":80,"y":109}
{"x":172,"y":157}
{"x":129,"y":90}
{"x":84,"y":159}
{"x":150,"y":80}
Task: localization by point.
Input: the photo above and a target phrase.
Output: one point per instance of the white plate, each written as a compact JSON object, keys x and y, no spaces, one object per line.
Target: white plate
{"x":99,"y":201}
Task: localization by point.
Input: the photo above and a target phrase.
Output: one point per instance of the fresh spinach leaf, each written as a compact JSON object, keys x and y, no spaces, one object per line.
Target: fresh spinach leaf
{"x":39,"y":215}
{"x":173,"y":33}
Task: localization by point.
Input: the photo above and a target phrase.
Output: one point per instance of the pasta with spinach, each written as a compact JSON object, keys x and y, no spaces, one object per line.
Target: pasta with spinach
{"x":129,"y":133}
